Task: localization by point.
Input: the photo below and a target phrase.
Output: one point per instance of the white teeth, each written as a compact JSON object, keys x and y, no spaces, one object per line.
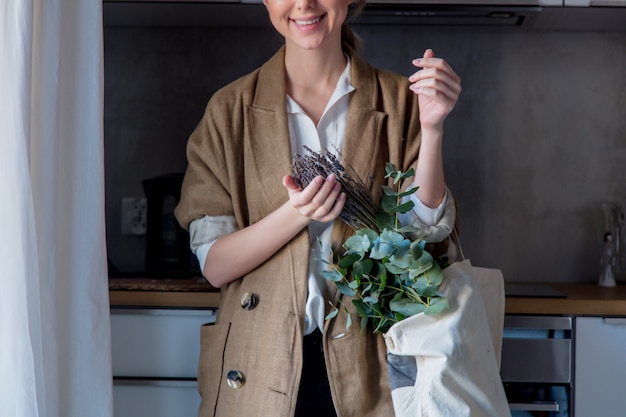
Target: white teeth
{"x":307,"y":22}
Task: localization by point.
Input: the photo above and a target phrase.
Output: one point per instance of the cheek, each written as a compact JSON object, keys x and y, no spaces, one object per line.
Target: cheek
{"x":275,"y":14}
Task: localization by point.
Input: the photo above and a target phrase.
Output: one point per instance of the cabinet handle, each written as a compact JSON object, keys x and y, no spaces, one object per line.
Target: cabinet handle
{"x":615,"y":320}
{"x":156,"y":382}
{"x":534,"y":406}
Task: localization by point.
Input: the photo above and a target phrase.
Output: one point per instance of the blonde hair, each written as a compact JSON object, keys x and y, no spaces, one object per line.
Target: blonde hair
{"x":350,"y":41}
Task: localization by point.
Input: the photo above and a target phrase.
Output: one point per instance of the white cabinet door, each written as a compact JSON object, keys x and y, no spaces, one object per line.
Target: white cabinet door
{"x":155,"y":361}
{"x":600,"y":367}
{"x":157,"y":342}
{"x":155,"y":399}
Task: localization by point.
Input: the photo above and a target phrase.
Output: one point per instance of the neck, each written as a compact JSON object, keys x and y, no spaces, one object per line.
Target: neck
{"x":313,"y":68}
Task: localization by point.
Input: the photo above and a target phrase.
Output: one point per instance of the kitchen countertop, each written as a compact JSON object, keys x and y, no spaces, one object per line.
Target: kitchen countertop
{"x":160,"y":292}
{"x":574,"y":299}
{"x":579,"y":299}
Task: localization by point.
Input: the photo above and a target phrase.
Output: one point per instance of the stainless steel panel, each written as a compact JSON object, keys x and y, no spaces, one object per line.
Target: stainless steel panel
{"x":534,"y":406}
{"x":538,"y":322}
{"x":536,"y":360}
{"x":537,"y":349}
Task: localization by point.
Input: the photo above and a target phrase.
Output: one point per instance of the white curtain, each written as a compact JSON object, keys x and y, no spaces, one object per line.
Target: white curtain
{"x":55,"y":358}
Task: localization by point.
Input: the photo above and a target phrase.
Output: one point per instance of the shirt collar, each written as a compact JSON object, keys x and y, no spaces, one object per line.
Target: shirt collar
{"x":344,"y":87}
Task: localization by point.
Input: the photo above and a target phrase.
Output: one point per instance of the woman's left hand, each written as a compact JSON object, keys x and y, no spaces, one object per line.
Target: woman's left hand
{"x":438,"y":88}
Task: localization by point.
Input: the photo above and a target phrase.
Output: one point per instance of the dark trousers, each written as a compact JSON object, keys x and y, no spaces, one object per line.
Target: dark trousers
{"x":314,"y":399}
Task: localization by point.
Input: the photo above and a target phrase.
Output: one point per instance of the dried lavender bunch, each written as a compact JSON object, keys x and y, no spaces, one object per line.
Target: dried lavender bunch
{"x":360,"y":208}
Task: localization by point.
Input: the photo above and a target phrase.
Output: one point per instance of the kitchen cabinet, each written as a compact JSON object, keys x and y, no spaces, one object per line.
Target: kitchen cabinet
{"x":600,"y":366}
{"x":155,"y":398}
{"x":155,"y":354}
{"x":556,"y":15}
{"x":587,"y":324}
{"x":184,"y":14}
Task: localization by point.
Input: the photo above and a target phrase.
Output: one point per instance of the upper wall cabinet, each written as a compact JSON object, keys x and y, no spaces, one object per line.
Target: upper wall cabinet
{"x":198,"y":13}
{"x":595,"y":3}
{"x":188,"y":13}
{"x":560,"y":15}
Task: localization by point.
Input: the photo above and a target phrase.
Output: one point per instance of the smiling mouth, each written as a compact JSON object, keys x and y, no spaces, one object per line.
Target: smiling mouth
{"x":311,"y":21}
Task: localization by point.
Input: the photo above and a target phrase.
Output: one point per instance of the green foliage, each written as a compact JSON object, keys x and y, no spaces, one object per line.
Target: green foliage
{"x":389,"y":276}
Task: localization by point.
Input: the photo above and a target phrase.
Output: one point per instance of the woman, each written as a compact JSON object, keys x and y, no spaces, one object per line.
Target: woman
{"x":271,"y":353}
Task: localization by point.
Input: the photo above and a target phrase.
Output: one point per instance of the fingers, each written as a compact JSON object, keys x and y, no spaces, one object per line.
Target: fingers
{"x":429,"y":53}
{"x":434,"y":81}
{"x":434,"y":86}
{"x":321,"y":200}
{"x":435,"y":77}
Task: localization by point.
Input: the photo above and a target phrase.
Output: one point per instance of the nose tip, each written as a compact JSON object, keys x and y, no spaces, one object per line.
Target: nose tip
{"x":305,"y":4}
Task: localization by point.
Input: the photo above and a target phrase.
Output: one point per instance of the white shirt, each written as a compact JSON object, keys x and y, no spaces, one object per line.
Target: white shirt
{"x":328,"y":134}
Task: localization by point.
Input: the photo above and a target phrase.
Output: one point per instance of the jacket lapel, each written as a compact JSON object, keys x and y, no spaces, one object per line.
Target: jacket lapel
{"x":361,"y":147}
{"x":269,"y":129}
{"x":364,"y":126}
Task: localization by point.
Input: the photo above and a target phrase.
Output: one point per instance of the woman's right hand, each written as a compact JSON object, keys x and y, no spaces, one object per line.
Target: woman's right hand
{"x":322,"y":200}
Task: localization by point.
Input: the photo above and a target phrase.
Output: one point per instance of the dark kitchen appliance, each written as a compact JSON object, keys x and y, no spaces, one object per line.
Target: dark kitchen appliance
{"x":537,"y":365}
{"x":167,"y":244}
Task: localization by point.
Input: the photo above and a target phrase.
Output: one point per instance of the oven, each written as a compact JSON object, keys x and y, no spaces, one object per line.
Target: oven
{"x":536,"y":365}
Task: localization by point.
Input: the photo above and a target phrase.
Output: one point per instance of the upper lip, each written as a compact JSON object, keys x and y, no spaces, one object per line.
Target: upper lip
{"x":307,"y":18}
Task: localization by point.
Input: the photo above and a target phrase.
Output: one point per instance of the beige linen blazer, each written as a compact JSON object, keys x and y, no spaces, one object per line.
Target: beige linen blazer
{"x":237,"y":157}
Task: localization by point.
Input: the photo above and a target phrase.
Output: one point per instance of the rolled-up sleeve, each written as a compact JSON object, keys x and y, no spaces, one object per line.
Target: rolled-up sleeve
{"x":203,"y":233}
{"x":434,"y":224}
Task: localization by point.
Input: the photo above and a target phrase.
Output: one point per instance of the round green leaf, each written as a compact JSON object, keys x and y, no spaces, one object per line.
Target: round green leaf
{"x":393,"y":238}
{"x":385,"y":221}
{"x":402,"y":258}
{"x":372,"y":298}
{"x":434,"y":275}
{"x":332,"y":314}
{"x":345,"y":289}
{"x":391,"y":267}
{"x":437,"y":305}
{"x":361,"y":308}
{"x":332,"y":275}
{"x":408,"y":192}
{"x":428,"y":291}
{"x":381,"y":249}
{"x":358,"y":244}
{"x":362,"y":268}
{"x":389,"y":203}
{"x":407,"y":307}
{"x":371,"y":235}
{"x":387,"y":190}
{"x":348,"y":260}
{"x":402,"y":208}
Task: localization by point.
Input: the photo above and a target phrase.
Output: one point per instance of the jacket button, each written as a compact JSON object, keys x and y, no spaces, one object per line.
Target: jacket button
{"x":249,"y":301}
{"x":235,"y":379}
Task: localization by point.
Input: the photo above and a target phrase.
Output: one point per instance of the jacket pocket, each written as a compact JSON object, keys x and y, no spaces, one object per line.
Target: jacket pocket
{"x":210,"y":365}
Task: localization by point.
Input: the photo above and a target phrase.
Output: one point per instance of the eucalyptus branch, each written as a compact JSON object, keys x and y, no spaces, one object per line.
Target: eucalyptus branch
{"x":387,"y":276}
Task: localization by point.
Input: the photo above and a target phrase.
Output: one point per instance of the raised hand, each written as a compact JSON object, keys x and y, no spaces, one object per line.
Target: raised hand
{"x":438,"y":88}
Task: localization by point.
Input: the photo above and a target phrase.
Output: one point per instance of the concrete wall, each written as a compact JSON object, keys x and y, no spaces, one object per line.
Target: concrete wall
{"x":536,"y":141}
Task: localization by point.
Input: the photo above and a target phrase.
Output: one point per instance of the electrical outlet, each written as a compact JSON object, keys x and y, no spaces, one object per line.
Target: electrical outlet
{"x":134,"y":216}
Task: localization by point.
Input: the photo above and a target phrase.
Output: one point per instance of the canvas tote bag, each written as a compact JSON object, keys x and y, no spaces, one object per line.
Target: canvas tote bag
{"x":448,"y":364}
